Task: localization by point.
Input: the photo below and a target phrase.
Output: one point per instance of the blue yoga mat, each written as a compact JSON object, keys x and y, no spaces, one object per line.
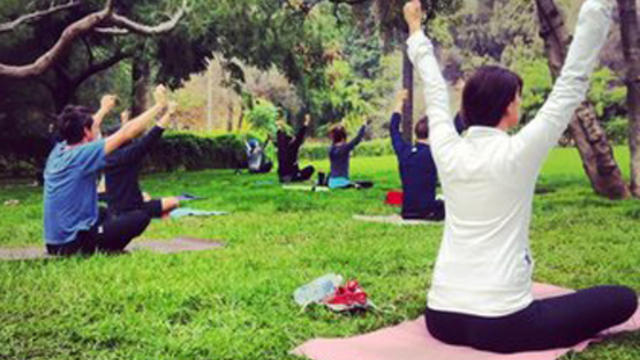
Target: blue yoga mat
{"x":182,"y":212}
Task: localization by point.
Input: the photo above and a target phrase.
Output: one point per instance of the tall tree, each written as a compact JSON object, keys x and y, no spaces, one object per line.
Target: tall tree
{"x":75,"y":45}
{"x":591,"y":139}
{"x":88,"y":23}
{"x":631,"y":48}
{"x":394,"y":30}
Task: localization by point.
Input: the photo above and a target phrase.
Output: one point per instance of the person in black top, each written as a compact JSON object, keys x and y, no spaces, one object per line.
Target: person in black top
{"x":122,"y":171}
{"x":288,"y":149}
{"x":417,"y":169}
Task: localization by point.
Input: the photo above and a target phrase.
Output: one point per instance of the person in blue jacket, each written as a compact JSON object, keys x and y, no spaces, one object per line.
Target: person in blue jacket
{"x":417,"y":169}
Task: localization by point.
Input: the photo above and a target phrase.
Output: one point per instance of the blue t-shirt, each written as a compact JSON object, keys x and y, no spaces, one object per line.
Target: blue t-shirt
{"x":70,"y":190}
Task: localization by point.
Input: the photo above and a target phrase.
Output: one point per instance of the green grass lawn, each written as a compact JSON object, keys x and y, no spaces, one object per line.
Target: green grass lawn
{"x":236,"y":303}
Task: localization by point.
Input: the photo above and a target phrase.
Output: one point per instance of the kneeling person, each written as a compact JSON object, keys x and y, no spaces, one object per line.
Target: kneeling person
{"x":417,"y":169}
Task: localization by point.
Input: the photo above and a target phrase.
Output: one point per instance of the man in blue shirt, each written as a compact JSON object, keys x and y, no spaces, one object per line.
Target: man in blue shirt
{"x":73,"y":222}
{"x":417,"y":169}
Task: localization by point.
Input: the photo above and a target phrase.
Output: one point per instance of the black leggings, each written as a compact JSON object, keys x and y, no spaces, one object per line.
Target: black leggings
{"x":552,"y":323}
{"x":435,"y":213}
{"x":299,"y":176}
{"x":264,"y":168}
{"x":110,"y":234}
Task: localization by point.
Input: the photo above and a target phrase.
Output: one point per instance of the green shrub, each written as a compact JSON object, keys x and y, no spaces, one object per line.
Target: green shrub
{"x":178,"y":150}
{"x":262,"y":117}
{"x":196,"y":152}
{"x":608,"y":95}
{"x":617,"y":130}
{"x":320,"y":151}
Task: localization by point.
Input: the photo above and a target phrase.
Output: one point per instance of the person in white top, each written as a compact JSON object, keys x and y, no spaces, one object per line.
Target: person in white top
{"x":480,"y":294}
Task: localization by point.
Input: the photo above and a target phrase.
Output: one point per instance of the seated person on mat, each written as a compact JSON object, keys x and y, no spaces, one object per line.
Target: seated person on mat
{"x":288,"y":149}
{"x":480,"y":294}
{"x":102,"y":184}
{"x":257,"y":160}
{"x":122,"y":172}
{"x":417,"y":169}
{"x":340,"y":155}
{"x":73,"y":222}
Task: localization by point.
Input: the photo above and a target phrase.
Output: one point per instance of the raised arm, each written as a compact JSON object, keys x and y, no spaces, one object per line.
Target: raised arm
{"x":420,"y":49}
{"x":534,"y":141}
{"x":133,"y":153}
{"x":137,"y":125}
{"x":394,"y":127}
{"x":356,"y":140}
{"x":107,"y":103}
{"x":299,"y":139}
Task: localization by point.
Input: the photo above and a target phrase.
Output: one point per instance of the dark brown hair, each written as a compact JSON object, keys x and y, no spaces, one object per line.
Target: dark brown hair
{"x":422,"y":129}
{"x":72,"y":123}
{"x":487,"y":94}
{"x":337,"y":133}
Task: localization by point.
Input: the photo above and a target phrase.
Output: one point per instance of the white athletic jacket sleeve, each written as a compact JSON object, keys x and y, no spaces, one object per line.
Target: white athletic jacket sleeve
{"x":442,"y":132}
{"x":538,"y":137}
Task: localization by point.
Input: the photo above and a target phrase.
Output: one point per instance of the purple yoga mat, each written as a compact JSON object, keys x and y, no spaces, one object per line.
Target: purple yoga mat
{"x":411,"y":341}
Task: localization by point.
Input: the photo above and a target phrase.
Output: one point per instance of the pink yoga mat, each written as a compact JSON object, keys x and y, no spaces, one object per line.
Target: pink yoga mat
{"x":411,"y":341}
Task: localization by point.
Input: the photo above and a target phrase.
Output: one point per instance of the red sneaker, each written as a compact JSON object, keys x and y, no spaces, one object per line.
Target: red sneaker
{"x":348,"y":297}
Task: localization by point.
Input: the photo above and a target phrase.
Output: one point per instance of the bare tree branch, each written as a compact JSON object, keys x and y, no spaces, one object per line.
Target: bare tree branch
{"x":89,"y":51}
{"x":88,"y":23}
{"x":36,"y":15}
{"x":306,"y":6}
{"x":72,"y":32}
{"x":101,"y":66}
{"x":112,"y":31}
{"x":123,"y":25}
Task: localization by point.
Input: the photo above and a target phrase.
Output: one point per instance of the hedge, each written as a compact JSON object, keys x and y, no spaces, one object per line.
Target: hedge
{"x":320,"y":151}
{"x":185,"y":151}
{"x":25,"y":157}
{"x":22,"y":157}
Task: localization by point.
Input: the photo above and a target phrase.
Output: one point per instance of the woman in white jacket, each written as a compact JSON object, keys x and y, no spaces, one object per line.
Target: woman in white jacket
{"x":480,"y":294}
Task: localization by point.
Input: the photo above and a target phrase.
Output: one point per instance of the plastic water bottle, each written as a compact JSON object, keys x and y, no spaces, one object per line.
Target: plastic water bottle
{"x":317,"y":290}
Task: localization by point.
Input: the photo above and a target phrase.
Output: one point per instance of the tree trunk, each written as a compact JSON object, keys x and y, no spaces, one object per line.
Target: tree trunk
{"x":407,"y":109}
{"x":62,"y":96}
{"x":240,"y":119}
{"x":210,"y":97}
{"x":596,"y":153}
{"x":141,"y":78}
{"x":631,"y":48}
{"x":230,"y":116}
{"x":63,"y":90}
{"x":485,"y":9}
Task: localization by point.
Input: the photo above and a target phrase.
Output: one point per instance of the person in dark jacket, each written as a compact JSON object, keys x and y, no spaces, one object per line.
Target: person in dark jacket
{"x":122,"y":172}
{"x":417,"y":169}
{"x":288,"y":149}
{"x":340,"y":156}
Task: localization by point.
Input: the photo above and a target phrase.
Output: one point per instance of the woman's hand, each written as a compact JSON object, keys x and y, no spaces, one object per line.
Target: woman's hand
{"x":401,"y":98}
{"x":160,"y":96}
{"x":413,"y":15}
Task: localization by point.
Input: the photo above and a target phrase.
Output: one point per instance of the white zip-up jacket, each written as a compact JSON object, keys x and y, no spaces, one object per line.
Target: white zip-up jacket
{"x":484,"y":265}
